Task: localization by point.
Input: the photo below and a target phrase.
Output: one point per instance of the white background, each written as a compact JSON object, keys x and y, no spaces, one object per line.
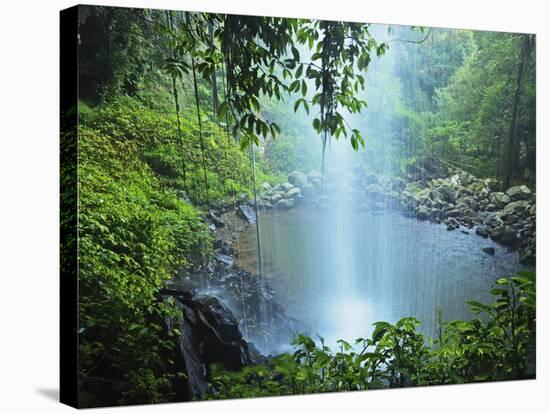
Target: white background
{"x":29,"y":206}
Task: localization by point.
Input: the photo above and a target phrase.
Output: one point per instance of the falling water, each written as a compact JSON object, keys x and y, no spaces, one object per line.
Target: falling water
{"x":340,"y":268}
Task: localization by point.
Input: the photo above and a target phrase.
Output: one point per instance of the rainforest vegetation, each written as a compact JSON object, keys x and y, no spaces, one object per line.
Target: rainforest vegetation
{"x":181,"y":114}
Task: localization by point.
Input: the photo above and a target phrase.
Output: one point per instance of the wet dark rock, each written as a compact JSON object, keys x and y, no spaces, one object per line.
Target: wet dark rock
{"x":482,"y":231}
{"x":246,"y":212}
{"x":452,"y":213}
{"x":508,"y":238}
{"x":496,"y":232}
{"x":225,"y":259}
{"x":209,"y":335}
{"x":223,"y":247}
{"x":216,"y":219}
{"x":422,"y":213}
{"x":489,"y":250}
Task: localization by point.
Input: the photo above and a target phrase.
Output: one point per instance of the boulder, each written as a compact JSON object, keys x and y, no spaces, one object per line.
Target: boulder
{"x":489,"y":250}
{"x":217,"y":220}
{"x":246,"y":212}
{"x":286,"y":187}
{"x":209,"y":335}
{"x":496,"y":232}
{"x":437,"y":214}
{"x":285,"y":203}
{"x":508,"y":238}
{"x":518,"y":192}
{"x":293,"y":193}
{"x":422,"y":213}
{"x":225,"y":259}
{"x":482,"y":231}
{"x":297,"y":178}
{"x":499,"y":199}
{"x":452,"y":213}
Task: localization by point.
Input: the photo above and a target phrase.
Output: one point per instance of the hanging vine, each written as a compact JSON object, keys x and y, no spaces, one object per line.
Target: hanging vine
{"x":174,"y":75}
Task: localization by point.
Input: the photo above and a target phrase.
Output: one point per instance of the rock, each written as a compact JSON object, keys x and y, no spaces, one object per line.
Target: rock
{"x":293,"y":193}
{"x":286,"y":187}
{"x":455,"y":180}
{"x":212,"y":227}
{"x":508,"y":238}
{"x":452,"y":213}
{"x":243,"y":198}
{"x":398,"y":184}
{"x":482,"y":231}
{"x":437,"y":214}
{"x":265,"y":204}
{"x":246,"y":212}
{"x":438,"y":203}
{"x":285,"y":203}
{"x":209,"y":335}
{"x":224,"y":248}
{"x":266,"y":187}
{"x":518,"y":192}
{"x":496,"y":232}
{"x":491,"y":184}
{"x":422,"y":213}
{"x":499,"y":199}
{"x":217,"y":220}
{"x":489,"y":250}
{"x":225,"y":259}
{"x":298,"y":179}
{"x":276,"y":196}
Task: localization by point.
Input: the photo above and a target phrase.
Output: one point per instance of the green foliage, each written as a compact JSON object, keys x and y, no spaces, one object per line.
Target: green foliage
{"x":157,"y":142}
{"x":132,"y":234}
{"x":498,"y":345}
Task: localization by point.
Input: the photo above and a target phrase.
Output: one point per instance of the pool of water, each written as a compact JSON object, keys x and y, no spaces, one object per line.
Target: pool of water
{"x":340,"y":275}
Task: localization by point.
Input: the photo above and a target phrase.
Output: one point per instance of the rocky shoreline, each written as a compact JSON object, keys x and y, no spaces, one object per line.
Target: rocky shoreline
{"x":453,"y":198}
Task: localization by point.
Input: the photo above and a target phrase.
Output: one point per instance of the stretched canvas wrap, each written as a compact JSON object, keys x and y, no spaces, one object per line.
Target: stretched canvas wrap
{"x":255,"y":206}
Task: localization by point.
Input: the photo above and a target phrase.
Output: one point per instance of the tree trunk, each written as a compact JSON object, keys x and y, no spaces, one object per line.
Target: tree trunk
{"x":215,"y":101}
{"x":511,"y":164}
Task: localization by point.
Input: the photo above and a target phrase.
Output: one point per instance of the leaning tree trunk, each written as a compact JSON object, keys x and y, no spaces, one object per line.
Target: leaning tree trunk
{"x":215,"y":101}
{"x":511,"y":164}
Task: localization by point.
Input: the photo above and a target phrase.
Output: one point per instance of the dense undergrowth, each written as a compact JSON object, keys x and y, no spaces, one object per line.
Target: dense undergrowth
{"x":139,"y":219}
{"x":499,"y":344}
